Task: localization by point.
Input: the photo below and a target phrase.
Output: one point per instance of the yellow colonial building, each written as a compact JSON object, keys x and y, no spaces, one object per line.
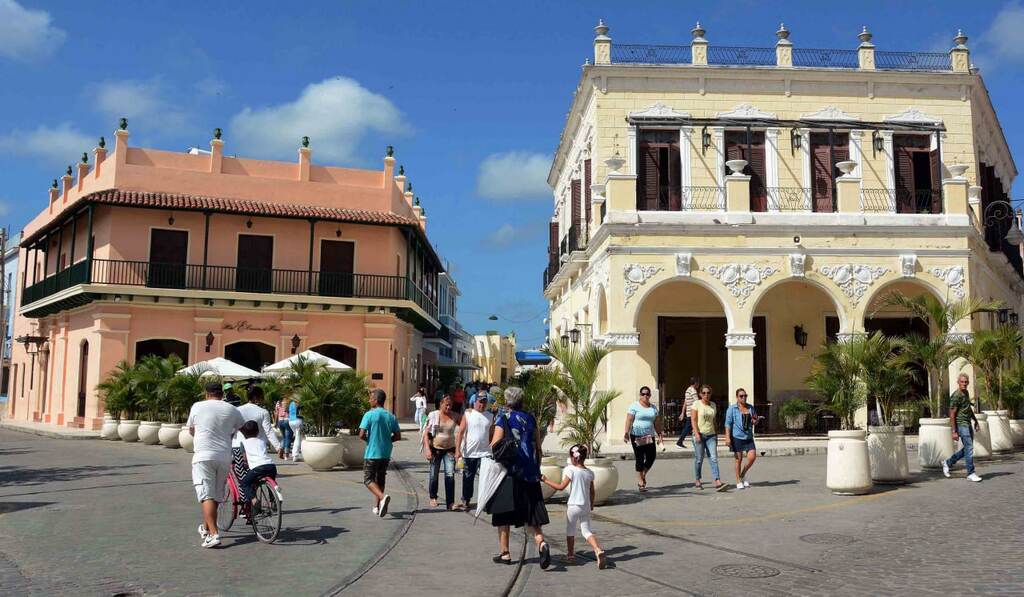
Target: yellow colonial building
{"x":494,"y":356}
{"x":721,"y":212}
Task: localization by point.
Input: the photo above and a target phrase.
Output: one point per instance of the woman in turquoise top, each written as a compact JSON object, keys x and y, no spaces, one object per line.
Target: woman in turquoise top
{"x":295,"y":422}
{"x":740,"y":420}
{"x":642,"y":425}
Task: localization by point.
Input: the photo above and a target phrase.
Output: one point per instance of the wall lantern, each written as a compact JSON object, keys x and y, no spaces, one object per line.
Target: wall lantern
{"x":877,"y":143}
{"x":1004,"y":315}
{"x":337,"y":232}
{"x":565,"y":339}
{"x":248,"y":223}
{"x":209,"y":340}
{"x":800,"y":336}
{"x":36,"y":341}
{"x":574,"y":335}
{"x":705,"y":140}
{"x":170,"y":220}
{"x":1014,"y":318}
{"x":795,"y":140}
{"x":1014,"y":235}
{"x":295,"y":343}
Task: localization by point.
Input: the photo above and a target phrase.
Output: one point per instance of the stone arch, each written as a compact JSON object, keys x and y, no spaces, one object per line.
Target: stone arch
{"x":724,"y":302}
{"x":600,"y":311}
{"x":254,"y":354}
{"x":161,"y":347}
{"x":869,"y":302}
{"x":838,"y":300}
{"x":339,"y":351}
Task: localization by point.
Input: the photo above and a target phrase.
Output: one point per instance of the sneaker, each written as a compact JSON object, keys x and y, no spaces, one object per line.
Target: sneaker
{"x":376,"y":511}
{"x":384,"y":501}
{"x":211,"y":541}
{"x":746,"y":483}
{"x":202,"y":531}
{"x":973,"y":477}
{"x":739,"y":485}
{"x":945,"y":468}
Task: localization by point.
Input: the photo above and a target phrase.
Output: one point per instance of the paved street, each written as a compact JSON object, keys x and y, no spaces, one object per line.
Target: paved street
{"x":105,"y":518}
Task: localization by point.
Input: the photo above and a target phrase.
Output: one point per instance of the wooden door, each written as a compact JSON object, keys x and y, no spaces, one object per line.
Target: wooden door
{"x":823,"y":169}
{"x":337,"y":266}
{"x":737,"y":148}
{"x":255,"y":263}
{"x":168,"y":254}
{"x":659,"y":169}
{"x":83,"y":374}
{"x":914,"y":174}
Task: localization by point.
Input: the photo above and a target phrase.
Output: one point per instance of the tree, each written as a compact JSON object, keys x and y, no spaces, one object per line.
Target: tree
{"x":153,"y":382}
{"x":586,"y":407}
{"x":118,"y":392}
{"x":885,"y":374}
{"x":835,"y":376}
{"x":989,"y":351}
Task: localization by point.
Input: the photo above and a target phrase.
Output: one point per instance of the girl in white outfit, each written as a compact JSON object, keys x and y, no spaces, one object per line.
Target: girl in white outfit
{"x":580,"y":481}
{"x":420,"y":402}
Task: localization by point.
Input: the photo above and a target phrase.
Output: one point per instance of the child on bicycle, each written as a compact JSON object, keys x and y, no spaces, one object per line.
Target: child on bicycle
{"x":580,"y":481}
{"x":260,"y":465}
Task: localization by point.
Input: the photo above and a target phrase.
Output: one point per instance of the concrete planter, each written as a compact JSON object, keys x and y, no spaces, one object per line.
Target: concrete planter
{"x":887,"y":452}
{"x":848,"y":468}
{"x":168,"y":435}
{"x":1017,"y":431}
{"x":149,"y":432}
{"x":185,"y":440}
{"x":982,"y":438}
{"x":322,"y":453}
{"x":606,"y":478}
{"x":128,"y":430}
{"x":796,"y":423}
{"x":999,"y":430}
{"x":109,"y":429}
{"x":352,"y":451}
{"x":934,"y":443}
{"x":550,"y":468}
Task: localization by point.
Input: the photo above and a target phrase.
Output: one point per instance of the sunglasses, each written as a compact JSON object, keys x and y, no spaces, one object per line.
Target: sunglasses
{"x":645,"y":393}
{"x":741,"y":396}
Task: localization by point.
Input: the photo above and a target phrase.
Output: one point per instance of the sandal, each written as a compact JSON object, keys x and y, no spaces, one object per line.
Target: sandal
{"x":722,"y":487}
{"x":569,"y":560}
{"x":502,"y":558}
{"x":602,"y":561}
{"x":699,"y":485}
{"x":545,"y":556}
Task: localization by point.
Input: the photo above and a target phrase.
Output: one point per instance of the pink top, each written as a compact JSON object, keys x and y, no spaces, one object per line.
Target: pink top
{"x":280,"y":411}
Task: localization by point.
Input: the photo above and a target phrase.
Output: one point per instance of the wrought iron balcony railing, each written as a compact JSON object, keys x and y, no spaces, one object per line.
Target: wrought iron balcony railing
{"x":901,"y":201}
{"x":738,"y":56}
{"x":707,"y":198}
{"x":235,"y":279}
{"x":912,"y":61}
{"x":650,"y":54}
{"x":825,"y":58}
{"x":788,"y":198}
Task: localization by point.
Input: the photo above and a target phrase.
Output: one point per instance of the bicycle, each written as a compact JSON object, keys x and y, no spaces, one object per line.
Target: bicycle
{"x":265,"y":518}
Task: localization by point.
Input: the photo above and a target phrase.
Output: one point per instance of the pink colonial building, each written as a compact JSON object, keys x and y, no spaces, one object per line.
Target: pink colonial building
{"x":202,"y":255}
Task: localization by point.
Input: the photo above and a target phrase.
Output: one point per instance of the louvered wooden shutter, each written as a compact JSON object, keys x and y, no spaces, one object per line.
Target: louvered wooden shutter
{"x":647,"y":179}
{"x":933,"y":171}
{"x":758,"y":173}
{"x":586,"y":198}
{"x":903,"y":163}
{"x":576,"y":211}
{"x":674,"y":190}
{"x":821,"y":183}
{"x":552,"y":243}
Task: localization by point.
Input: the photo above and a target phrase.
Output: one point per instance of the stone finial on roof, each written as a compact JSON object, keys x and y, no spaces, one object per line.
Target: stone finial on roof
{"x":698,"y":32}
{"x":85,"y":157}
{"x":217,"y":133}
{"x":305,"y":141}
{"x":782,"y":33}
{"x":601,"y":30}
{"x":960,"y":40}
{"x":401,"y":170}
{"x":103,"y":143}
{"x":54,"y":185}
{"x":123,"y":125}
{"x":417,"y":201}
{"x":68,"y":171}
{"x":389,"y":151}
{"x":865,"y":36}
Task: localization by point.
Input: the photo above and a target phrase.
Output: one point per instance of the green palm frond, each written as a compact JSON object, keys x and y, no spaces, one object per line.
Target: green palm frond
{"x":586,"y":408}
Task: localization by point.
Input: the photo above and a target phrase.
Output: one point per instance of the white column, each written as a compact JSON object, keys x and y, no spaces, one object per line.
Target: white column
{"x":631,"y":139}
{"x":685,"y":174}
{"x":771,"y":160}
{"x":805,"y":158}
{"x":890,"y":173}
{"x":856,"y":155}
{"x":718,"y":138}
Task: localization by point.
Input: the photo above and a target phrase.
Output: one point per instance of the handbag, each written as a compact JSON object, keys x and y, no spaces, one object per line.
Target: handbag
{"x":644,"y":440}
{"x":505,"y":452}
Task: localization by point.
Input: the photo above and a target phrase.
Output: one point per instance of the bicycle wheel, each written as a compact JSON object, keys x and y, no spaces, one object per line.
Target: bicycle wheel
{"x":227,"y":510}
{"x":266,"y":513}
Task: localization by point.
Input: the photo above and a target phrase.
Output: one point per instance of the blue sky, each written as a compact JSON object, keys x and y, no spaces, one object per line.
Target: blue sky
{"x":460,"y":89}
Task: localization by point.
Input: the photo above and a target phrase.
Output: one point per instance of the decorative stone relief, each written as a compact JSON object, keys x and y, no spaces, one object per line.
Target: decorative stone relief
{"x":658,"y":111}
{"x":746,"y":111}
{"x":797,"y":265}
{"x":913,"y":115}
{"x":741,"y":279}
{"x":853,"y":280}
{"x":966,"y":337}
{"x":636,"y":275}
{"x":621,"y":339}
{"x":953,"y":276}
{"x":844,"y":337}
{"x":908,"y":266}
{"x":683,"y":261}
{"x":829,"y":113}
{"x":740,"y":339}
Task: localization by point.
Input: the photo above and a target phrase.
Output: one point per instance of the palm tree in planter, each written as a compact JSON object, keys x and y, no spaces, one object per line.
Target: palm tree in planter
{"x":326,"y":398}
{"x":1013,"y":399}
{"x":934,"y":355}
{"x":181,"y":392}
{"x":989,"y":351}
{"x":586,"y":408}
{"x":887,"y":379}
{"x":540,"y":399}
{"x":121,"y":400}
{"x":153,"y":374}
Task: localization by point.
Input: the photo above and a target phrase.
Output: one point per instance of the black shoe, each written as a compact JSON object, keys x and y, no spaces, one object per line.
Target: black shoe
{"x":679,"y":442}
{"x":502,"y":558}
{"x":545,"y":556}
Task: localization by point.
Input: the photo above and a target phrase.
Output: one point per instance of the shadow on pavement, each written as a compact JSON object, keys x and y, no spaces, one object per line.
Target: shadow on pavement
{"x":14,"y":451}
{"x":112,"y":485}
{"x":18,"y":475}
{"x":8,"y":507}
{"x":327,"y":510}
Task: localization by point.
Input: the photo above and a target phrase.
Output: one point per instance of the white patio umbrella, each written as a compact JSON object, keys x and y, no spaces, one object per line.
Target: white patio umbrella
{"x":220,"y":367}
{"x":491,"y":475}
{"x":285,"y":366}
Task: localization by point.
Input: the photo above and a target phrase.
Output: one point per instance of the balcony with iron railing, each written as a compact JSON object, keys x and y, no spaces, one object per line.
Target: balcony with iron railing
{"x":901,"y":201}
{"x":174,"y":276}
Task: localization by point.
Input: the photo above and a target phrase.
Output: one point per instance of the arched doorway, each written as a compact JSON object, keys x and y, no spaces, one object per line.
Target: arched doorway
{"x":339,"y":352}
{"x":161,"y":347}
{"x":786,"y":312}
{"x":254,"y":355}
{"x":682,"y":328}
{"x":83,"y":374}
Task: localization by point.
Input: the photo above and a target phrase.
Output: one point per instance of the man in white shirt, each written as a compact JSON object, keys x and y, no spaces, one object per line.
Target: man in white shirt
{"x":253,"y":411}
{"x":213,"y":423}
{"x":473,"y":442}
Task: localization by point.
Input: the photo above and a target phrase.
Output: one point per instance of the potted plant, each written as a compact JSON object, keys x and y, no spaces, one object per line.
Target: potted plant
{"x":934,"y":354}
{"x":153,"y":373}
{"x":1013,"y":399}
{"x":835,"y":377}
{"x":989,"y":351}
{"x":181,"y":392}
{"x":793,"y":413}
{"x":887,"y":379}
{"x":540,"y":399}
{"x":586,"y":409}
{"x":118,"y":392}
{"x":109,"y":429}
{"x":320,"y":396}
{"x":354,"y":390}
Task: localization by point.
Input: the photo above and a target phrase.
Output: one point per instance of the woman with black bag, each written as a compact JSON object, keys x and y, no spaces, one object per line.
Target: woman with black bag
{"x":516,"y":432}
{"x":439,"y":449}
{"x":642,"y":428}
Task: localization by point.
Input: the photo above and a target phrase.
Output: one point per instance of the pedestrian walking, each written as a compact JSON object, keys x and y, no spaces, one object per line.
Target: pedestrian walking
{"x":472,"y":443}
{"x":642,"y":428}
{"x":259,"y":462}
{"x":252,"y":411}
{"x":379,"y":429}
{"x":419,"y":400}
{"x":458,"y":399}
{"x":705,"y":440}
{"x":527,"y":498}
{"x":439,"y":449}
{"x":740,"y":420}
{"x":295,"y":423}
{"x":281,"y":416}
{"x":230,"y":396}
{"x":212,"y":422}
{"x":964,"y":423}
{"x":580,"y":481}
{"x":689,"y":397}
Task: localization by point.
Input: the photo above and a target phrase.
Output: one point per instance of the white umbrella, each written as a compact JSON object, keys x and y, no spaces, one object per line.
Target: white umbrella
{"x":285,"y":366}
{"x":491,"y":475}
{"x":220,"y":367}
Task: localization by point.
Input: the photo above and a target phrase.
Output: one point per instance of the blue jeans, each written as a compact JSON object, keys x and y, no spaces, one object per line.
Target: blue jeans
{"x":967,"y":451}
{"x":471,"y":466}
{"x":245,"y":485}
{"x":446,"y":459}
{"x":286,"y":434}
{"x":708,"y":444}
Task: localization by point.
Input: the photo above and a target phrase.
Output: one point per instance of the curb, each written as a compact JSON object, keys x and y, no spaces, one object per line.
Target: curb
{"x":761,"y":453}
{"x":77,"y":435}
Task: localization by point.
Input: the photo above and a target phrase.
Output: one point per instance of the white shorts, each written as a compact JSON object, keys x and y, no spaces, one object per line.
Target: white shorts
{"x":210,"y":478}
{"x":577,"y":517}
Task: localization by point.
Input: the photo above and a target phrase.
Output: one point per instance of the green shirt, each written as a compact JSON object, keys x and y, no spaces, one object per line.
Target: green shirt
{"x":962,"y":403}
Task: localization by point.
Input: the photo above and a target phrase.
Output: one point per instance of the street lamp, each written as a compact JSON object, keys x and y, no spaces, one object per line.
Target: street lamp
{"x":295,"y":343}
{"x":574,"y":335}
{"x":565,"y":339}
{"x":996,"y":213}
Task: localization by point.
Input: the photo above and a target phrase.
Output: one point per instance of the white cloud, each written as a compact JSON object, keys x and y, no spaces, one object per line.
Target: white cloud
{"x":508,"y":234}
{"x":59,"y":145}
{"x":335,"y":113}
{"x":5,"y":208}
{"x":1002,"y":41}
{"x":146,"y":101}
{"x":514,"y":175}
{"x":27,"y":34}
